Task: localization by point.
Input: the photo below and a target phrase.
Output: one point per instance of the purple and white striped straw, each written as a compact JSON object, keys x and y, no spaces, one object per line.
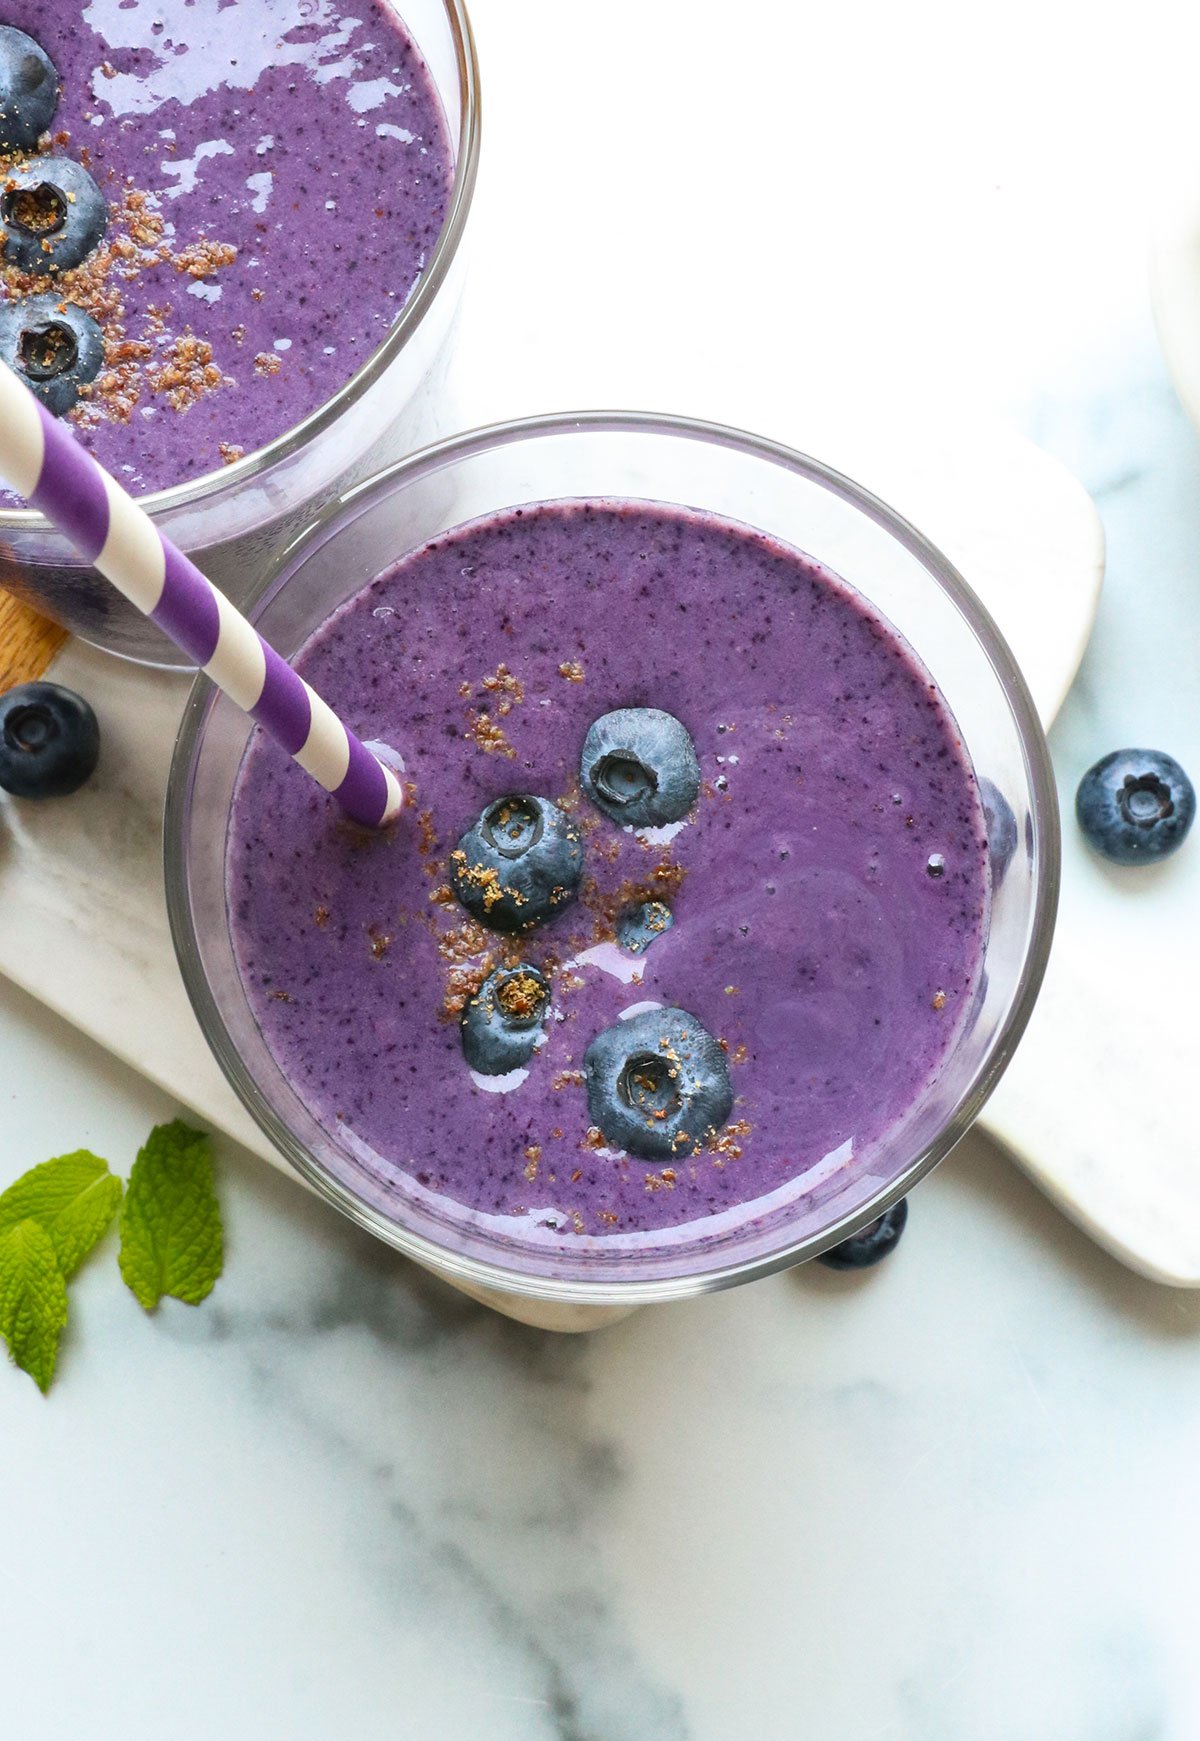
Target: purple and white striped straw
{"x":43,"y":462}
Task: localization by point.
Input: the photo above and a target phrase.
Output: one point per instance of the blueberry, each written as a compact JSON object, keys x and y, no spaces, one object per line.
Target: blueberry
{"x":503,"y":1022}
{"x":639,"y":766}
{"x":1135,"y":805}
{"x":53,"y":345}
{"x":49,"y":741}
{"x":52,"y":214}
{"x":1001,"y":829}
{"x":28,"y":90}
{"x":638,"y":926}
{"x":519,"y":864}
{"x":873,"y":1244}
{"x":658,"y":1084}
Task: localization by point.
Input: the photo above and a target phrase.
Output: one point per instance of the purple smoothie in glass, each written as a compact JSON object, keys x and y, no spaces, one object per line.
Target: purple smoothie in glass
{"x":829,"y":890}
{"x":276,"y":172}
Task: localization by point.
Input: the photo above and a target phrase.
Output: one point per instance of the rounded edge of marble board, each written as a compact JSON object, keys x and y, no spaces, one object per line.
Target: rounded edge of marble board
{"x":1174,"y":273}
{"x":1096,"y":1231}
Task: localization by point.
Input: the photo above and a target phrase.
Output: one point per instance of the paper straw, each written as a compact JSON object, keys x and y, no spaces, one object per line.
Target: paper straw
{"x":43,"y":462}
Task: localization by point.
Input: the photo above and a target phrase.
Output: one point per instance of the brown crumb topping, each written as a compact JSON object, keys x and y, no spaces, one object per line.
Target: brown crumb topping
{"x":230,"y":451}
{"x":521,"y":997}
{"x":939,"y":1000}
{"x":571,"y":670}
{"x":202,"y":259}
{"x":510,"y":689}
{"x":187,"y":372}
{"x":426,"y":833}
{"x":487,"y":735}
{"x":267,"y":363}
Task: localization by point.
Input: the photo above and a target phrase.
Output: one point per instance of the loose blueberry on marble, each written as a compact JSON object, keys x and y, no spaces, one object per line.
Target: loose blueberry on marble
{"x":639,"y":766}
{"x":503,"y":1023}
{"x":28,"y":90}
{"x":657,"y":1085}
{"x":519,"y":864}
{"x":873,"y":1244}
{"x":1136,"y":806}
{"x":1001,"y":829}
{"x":52,"y":215}
{"x":55,"y":347}
{"x":49,"y":741}
{"x":638,"y":927}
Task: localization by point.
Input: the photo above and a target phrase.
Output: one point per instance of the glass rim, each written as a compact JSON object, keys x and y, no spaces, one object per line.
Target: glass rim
{"x":476,"y":1272}
{"x":262,"y":459}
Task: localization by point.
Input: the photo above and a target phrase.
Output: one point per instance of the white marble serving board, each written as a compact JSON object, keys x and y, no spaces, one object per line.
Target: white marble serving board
{"x":82,"y":916}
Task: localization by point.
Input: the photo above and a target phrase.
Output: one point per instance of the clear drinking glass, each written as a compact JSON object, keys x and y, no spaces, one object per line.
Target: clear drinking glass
{"x":738,"y":477}
{"x":232,"y":520}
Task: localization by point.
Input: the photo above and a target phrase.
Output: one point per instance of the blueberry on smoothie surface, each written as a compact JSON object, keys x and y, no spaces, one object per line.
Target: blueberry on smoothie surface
{"x":640,"y":926}
{"x":1136,"y":806}
{"x":28,"y":90}
{"x":54,"y":346}
{"x":49,"y":741}
{"x":873,"y":1244}
{"x":519,"y":864}
{"x":52,"y":215}
{"x":504,"y":1022}
{"x":657,"y":1084}
{"x":639,"y":766}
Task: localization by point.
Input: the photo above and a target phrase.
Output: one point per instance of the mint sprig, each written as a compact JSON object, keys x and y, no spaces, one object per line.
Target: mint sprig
{"x":171,"y":1236}
{"x":73,"y":1199}
{"x":53,"y":1216}
{"x":33,"y":1300}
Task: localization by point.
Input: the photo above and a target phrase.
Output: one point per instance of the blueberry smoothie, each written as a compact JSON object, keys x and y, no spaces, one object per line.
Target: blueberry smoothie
{"x":689,"y":905}
{"x":211,"y":212}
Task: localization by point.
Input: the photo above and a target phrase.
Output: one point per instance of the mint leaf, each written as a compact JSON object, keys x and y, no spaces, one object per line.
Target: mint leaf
{"x":171,"y":1238}
{"x":73,"y":1199}
{"x":33,"y":1300}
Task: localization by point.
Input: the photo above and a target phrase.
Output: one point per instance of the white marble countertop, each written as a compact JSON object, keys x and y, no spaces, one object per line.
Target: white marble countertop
{"x":951,"y":1499}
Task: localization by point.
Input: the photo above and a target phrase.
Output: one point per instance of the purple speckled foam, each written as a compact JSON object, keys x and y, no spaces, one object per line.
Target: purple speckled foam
{"x":304,"y":134}
{"x":810,"y":936}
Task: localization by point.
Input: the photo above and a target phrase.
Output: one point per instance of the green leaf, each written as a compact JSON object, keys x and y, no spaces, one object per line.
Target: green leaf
{"x":33,"y":1300}
{"x":73,"y":1199}
{"x":171,"y":1238}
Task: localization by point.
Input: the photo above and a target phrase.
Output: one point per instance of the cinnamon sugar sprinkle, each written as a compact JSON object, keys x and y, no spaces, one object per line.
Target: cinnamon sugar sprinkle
{"x":187,"y":372}
{"x":180,"y":366}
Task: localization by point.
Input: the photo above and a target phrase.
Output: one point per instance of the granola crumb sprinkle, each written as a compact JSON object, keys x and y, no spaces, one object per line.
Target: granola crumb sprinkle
{"x":487,"y":735}
{"x":571,"y":670}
